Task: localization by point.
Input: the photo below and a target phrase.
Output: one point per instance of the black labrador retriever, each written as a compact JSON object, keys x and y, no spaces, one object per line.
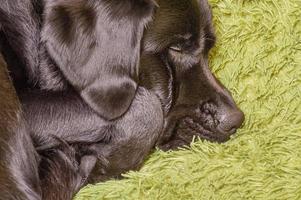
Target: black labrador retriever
{"x":177,"y":98}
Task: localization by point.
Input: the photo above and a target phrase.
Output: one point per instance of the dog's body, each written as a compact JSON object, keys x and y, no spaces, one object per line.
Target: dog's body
{"x":114,"y":147}
{"x":177,"y":98}
{"x":18,"y":158}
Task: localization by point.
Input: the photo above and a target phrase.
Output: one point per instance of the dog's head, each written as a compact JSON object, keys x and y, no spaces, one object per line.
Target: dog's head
{"x":175,"y":66}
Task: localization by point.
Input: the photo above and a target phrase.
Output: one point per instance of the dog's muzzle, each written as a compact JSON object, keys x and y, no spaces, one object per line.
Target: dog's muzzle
{"x":211,"y":123}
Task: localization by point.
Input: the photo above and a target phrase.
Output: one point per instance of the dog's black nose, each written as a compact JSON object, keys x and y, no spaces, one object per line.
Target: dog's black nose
{"x":231,"y":121}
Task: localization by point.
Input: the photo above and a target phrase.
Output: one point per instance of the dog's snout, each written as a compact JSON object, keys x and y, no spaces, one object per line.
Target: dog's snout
{"x":231,"y":121}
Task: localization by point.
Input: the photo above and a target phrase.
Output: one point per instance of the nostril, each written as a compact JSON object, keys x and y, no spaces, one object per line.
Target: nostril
{"x":231,"y":122}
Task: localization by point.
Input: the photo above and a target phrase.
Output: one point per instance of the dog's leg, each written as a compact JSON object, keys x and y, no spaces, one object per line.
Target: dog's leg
{"x":136,"y":134}
{"x":18,"y":158}
{"x":119,"y":145}
{"x":64,"y":171}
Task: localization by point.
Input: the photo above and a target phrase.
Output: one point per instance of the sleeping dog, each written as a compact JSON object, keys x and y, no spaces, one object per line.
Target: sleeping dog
{"x":177,"y":98}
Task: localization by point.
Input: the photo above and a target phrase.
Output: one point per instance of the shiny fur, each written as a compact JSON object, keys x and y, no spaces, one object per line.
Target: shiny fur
{"x":177,"y":97}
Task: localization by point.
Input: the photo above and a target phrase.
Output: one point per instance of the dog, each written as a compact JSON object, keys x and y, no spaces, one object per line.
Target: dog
{"x":178,"y":98}
{"x":64,"y":45}
{"x":190,"y":101}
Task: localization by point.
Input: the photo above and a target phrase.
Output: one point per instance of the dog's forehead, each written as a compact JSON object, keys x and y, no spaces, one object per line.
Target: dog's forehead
{"x":176,"y":19}
{"x":179,"y":16}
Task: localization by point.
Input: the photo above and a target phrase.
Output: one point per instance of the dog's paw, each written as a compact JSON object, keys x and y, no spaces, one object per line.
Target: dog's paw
{"x":64,"y":171}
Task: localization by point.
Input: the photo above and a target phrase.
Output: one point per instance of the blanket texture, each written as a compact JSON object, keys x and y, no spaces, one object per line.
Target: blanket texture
{"x":258,"y":57}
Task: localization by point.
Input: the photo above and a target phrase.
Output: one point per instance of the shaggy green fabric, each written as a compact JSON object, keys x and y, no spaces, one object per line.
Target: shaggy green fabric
{"x":258,"y":57}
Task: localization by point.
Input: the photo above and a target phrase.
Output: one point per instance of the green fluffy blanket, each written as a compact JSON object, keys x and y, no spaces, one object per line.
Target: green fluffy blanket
{"x":258,"y":57}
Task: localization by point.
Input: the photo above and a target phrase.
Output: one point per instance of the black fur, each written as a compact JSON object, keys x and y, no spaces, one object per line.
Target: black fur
{"x":70,"y":93}
{"x":90,"y":41}
{"x":18,"y":159}
{"x":60,"y":46}
{"x":63,"y":171}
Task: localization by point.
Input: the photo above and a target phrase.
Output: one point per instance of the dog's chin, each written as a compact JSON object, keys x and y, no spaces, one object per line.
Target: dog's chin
{"x":189,"y":128}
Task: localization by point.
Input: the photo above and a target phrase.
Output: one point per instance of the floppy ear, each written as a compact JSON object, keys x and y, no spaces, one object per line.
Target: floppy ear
{"x":97,"y":44}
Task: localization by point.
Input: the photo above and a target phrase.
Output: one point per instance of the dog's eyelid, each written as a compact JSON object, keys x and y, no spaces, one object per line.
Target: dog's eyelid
{"x":176,"y":48}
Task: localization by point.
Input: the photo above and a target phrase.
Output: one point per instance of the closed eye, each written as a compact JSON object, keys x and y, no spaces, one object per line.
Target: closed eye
{"x":175,"y":48}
